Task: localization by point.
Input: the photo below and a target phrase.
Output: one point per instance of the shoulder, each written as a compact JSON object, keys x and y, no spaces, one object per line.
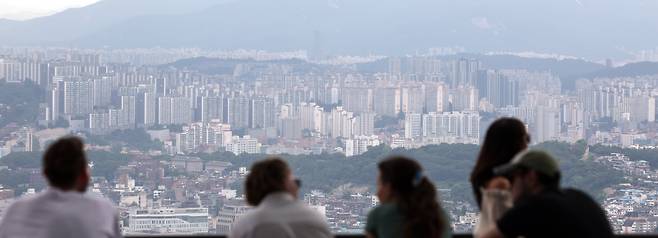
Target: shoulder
{"x":27,"y":202}
{"x":90,"y":201}
{"x":104,"y":212}
{"x":21,"y":202}
{"x":17,"y":207}
{"x":385,"y":218}
{"x":248,"y":220}
{"x":310,"y":217}
{"x":384,"y":210}
{"x":306,"y":210}
{"x":559,"y":197}
{"x":375,"y":211}
{"x":251,"y":215}
{"x":581,"y":199}
{"x":576,"y":193}
{"x":388,"y":208}
{"x":297,"y":212}
{"x":99,"y":201}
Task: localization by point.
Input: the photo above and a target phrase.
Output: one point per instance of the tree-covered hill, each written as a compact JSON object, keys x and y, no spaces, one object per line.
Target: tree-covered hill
{"x":105,"y":165}
{"x":649,"y":155}
{"x":20,"y":102}
{"x":447,"y":165}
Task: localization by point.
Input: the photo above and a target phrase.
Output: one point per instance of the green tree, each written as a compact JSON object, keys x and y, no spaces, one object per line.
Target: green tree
{"x":133,"y":138}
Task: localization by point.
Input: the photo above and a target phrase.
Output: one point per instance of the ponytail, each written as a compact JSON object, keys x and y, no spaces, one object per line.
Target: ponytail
{"x":422,"y":212}
{"x":416,"y":197}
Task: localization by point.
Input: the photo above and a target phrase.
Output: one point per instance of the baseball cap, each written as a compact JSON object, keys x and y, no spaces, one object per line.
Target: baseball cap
{"x":536,"y":160}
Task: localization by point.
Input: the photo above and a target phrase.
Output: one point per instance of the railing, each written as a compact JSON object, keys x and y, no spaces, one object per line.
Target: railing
{"x":337,"y":236}
{"x":362,"y":236}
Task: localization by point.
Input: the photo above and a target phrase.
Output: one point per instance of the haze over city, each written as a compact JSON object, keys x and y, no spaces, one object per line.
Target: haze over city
{"x":29,"y":9}
{"x":176,"y":99}
{"x":589,"y":29}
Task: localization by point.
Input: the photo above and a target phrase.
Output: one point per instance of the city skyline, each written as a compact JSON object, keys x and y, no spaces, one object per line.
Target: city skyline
{"x":175,"y":100}
{"x":179,"y":131}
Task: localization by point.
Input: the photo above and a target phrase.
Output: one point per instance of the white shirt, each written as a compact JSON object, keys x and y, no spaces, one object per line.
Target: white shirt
{"x":280,"y":215}
{"x":55,"y":213}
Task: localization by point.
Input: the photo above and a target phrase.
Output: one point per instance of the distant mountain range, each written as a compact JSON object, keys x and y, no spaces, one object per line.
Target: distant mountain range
{"x":565,"y":68}
{"x":67,"y":28}
{"x":629,"y":70}
{"x":569,"y":70}
{"x":227,"y":66}
{"x":587,"y":28}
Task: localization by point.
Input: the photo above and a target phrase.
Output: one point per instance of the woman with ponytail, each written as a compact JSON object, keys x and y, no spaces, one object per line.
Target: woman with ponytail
{"x":409,"y":203}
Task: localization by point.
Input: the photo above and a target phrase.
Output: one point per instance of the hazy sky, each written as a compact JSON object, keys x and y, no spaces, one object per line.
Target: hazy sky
{"x":26,"y":9}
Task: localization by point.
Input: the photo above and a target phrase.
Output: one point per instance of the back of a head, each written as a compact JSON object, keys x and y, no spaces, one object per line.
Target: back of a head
{"x":64,"y":162}
{"x":505,"y":138}
{"x":399,"y":172}
{"x":266,"y":177}
{"x":416,"y":196}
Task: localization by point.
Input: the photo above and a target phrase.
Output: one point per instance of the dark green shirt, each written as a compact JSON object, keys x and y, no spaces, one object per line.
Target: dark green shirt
{"x":386,"y":221}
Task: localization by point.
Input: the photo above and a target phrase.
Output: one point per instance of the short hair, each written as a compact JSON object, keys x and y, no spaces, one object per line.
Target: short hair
{"x":64,"y":162}
{"x":267,"y":176}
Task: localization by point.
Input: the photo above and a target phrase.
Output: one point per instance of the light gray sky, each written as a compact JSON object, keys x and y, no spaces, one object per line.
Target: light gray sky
{"x":26,"y":9}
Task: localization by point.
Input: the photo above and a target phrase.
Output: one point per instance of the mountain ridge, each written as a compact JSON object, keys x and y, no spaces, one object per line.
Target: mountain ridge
{"x":352,"y":27}
{"x":628,"y":70}
{"x":63,"y":28}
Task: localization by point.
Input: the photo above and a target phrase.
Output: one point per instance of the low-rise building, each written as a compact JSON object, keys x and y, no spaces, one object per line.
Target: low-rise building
{"x":186,"y":221}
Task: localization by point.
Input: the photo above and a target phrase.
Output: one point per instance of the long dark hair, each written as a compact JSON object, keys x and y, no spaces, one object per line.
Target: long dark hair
{"x":415,"y":195}
{"x":505,"y":138}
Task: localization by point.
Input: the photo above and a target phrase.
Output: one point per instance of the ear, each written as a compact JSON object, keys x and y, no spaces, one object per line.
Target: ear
{"x":45,"y":176}
{"x":87,"y":174}
{"x":290,"y":185}
{"x":83,"y":180}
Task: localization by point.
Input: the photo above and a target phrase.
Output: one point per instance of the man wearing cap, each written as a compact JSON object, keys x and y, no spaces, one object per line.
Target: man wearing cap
{"x":541,"y":208}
